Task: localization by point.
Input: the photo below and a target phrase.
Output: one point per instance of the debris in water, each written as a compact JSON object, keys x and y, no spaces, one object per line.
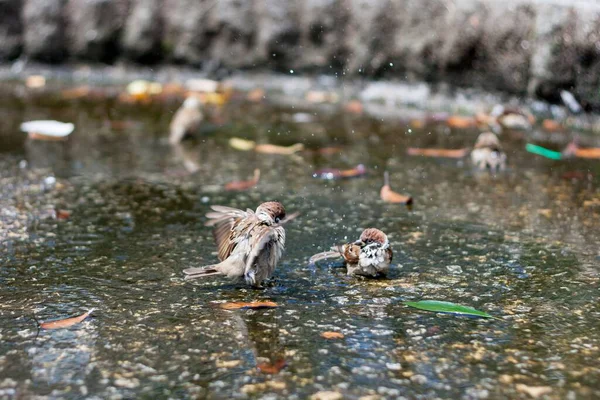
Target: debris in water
{"x":273,"y":368}
{"x":442,"y":153}
{"x":254,"y":305}
{"x":389,"y":196}
{"x":35,"y":81}
{"x":242,"y":144}
{"x":332,"y":335}
{"x":459,"y":122}
{"x":47,"y":129}
{"x":281,"y":150}
{"x":244,"y":185}
{"x":65,"y":323}
{"x":330,"y":173}
{"x":542,"y":151}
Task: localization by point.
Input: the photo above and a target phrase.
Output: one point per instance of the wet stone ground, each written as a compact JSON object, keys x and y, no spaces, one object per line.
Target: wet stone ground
{"x":521,"y":246}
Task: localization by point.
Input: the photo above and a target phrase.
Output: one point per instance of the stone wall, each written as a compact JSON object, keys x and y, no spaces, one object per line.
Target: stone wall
{"x":518,"y":46}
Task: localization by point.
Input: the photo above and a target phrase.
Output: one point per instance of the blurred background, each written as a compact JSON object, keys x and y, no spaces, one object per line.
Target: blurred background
{"x":535,"y":47}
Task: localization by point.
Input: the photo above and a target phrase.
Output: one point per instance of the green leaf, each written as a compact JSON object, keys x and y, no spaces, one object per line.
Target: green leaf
{"x":447,"y":307}
{"x":542,"y":151}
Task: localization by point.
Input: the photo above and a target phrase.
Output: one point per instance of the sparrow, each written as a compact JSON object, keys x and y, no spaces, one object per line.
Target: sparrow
{"x":488,"y":153}
{"x":250,"y":243}
{"x":369,"y":256}
{"x":187,"y":119}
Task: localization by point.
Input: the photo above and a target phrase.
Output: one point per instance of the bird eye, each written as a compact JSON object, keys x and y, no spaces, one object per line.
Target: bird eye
{"x":277,"y":219}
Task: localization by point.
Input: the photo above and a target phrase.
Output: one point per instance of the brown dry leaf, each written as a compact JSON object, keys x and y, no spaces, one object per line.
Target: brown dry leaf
{"x":65,"y":323}
{"x":533,"y":391}
{"x":459,"y":122}
{"x":254,"y":305}
{"x":274,"y":368}
{"x":332,"y":335}
{"x":447,"y":153}
{"x":244,"y":185}
{"x":63,"y":214}
{"x":281,"y":150}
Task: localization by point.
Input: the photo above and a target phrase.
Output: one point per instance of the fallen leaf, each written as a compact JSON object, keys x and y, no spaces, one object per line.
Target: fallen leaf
{"x":228,"y":364}
{"x":274,"y":368}
{"x":447,"y":307}
{"x":242,"y":144}
{"x":329,"y":150}
{"x":332,"y":335}
{"x":546,"y":212}
{"x":244,"y":185}
{"x":592,"y":152}
{"x":76,"y":93}
{"x":63,"y":214}
{"x":459,"y":122}
{"x":253,"y":305}
{"x":354,"y":107}
{"x":47,"y":129}
{"x":329,"y":173}
{"x":533,"y":391}
{"x":35,"y":81}
{"x":142,"y":90}
{"x":551,"y":125}
{"x":327,"y":395}
{"x":65,"y":323}
{"x":281,"y":150}
{"x":389,"y":196}
{"x":542,"y":151}
{"x":256,"y":95}
{"x":318,"y":96}
{"x":417,"y":123}
{"x":443,"y":153}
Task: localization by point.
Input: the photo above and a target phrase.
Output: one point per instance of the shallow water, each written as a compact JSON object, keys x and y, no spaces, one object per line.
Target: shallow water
{"x":524,"y":241}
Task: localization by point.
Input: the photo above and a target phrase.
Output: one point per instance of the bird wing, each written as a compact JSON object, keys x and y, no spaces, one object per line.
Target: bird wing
{"x":230,"y":226}
{"x":390,"y":254}
{"x":262,"y":236}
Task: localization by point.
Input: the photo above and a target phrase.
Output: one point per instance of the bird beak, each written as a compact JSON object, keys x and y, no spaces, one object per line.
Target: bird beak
{"x":359,"y":243}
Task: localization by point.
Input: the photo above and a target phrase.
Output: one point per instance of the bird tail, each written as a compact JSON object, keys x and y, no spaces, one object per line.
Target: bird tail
{"x":200,"y":272}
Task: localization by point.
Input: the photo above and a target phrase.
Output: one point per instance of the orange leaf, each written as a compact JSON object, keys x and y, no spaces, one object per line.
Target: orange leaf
{"x":354,"y":107}
{"x":448,"y":153}
{"x":254,"y":304}
{"x":592,"y":152}
{"x":63,"y":214}
{"x":244,"y":185}
{"x":551,"y":125}
{"x":389,"y":196}
{"x":332,"y":335}
{"x":65,"y":323}
{"x":460,"y":122}
{"x":274,"y":368}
